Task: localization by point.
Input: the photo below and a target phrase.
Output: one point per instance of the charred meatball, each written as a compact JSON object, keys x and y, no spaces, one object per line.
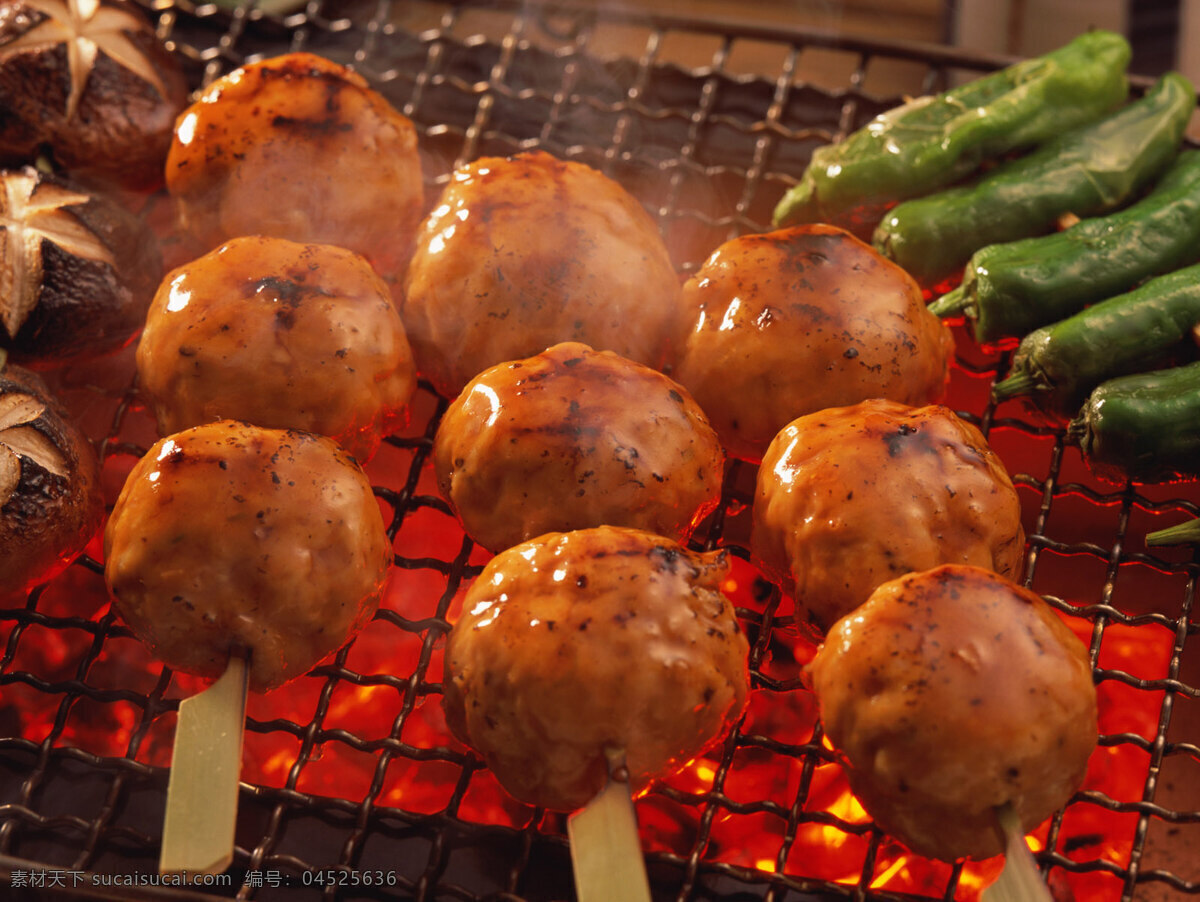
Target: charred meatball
{"x":525,"y":252}
{"x":90,"y":82}
{"x":279,"y":334}
{"x":949,"y":693}
{"x":850,"y":497}
{"x":233,"y":537}
{"x":579,"y":641}
{"x":298,"y":147}
{"x":797,"y":320}
{"x":50,"y":500}
{"x":573,"y":438}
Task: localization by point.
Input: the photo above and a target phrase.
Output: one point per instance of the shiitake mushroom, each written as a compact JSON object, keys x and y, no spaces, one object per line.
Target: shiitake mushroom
{"x":89,"y":84}
{"x":77,"y":269}
{"x":50,"y":500}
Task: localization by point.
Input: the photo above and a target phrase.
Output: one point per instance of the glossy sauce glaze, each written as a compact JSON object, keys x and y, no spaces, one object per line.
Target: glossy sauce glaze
{"x":298,"y":147}
{"x":950,"y":692}
{"x":524,"y":252}
{"x":850,"y":497}
{"x":572,"y":438}
{"x":797,"y":320}
{"x":228,"y":537}
{"x":279,"y":334}
{"x":600,"y":638}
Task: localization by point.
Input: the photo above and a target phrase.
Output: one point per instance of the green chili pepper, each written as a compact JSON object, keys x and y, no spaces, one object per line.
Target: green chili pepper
{"x":936,"y":140}
{"x":1010,"y":289}
{"x":1058,"y":365}
{"x":1143,"y":427}
{"x":1187,"y":532}
{"x":1090,"y":170}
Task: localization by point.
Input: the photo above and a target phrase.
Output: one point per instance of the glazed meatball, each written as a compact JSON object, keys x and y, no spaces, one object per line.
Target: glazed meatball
{"x":601,"y":638}
{"x":573,"y":438}
{"x":229,"y":537}
{"x":850,"y":497}
{"x":298,"y":147}
{"x":279,"y":334}
{"x":526,"y":252}
{"x":797,"y":320}
{"x":952,"y":692}
{"x":50,"y":500}
{"x":91,"y":83}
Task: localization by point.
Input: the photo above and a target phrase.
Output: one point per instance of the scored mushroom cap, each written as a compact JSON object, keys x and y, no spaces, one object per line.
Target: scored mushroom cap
{"x":90,"y":83}
{"x":77,"y":270}
{"x":50,"y":500}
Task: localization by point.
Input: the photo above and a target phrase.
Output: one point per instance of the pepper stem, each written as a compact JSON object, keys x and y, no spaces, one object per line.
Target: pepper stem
{"x":1019,"y":383}
{"x":952,"y":303}
{"x":1179,"y":534}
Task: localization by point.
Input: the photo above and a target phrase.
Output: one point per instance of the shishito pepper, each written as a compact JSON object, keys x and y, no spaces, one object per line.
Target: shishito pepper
{"x":1143,"y":427}
{"x":1091,"y":170}
{"x":1187,"y":532}
{"x":935,"y":140}
{"x":1010,"y":289}
{"x":1143,"y":329}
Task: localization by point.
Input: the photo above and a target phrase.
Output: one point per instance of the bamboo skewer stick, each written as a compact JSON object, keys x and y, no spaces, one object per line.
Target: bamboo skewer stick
{"x":606,"y":852}
{"x":202,"y":791}
{"x":1021,"y":880}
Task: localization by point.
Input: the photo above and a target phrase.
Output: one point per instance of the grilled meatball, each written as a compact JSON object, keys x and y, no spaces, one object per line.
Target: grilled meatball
{"x":233,"y":537}
{"x":797,"y":320}
{"x":850,"y":497}
{"x":951,"y":692}
{"x":298,"y":147}
{"x":91,"y":83}
{"x":573,"y":438}
{"x":50,"y":500}
{"x":280,"y":334}
{"x":579,"y":641}
{"x":525,"y":252}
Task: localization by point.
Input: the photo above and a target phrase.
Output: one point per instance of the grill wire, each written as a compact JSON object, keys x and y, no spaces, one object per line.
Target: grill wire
{"x":709,"y":149}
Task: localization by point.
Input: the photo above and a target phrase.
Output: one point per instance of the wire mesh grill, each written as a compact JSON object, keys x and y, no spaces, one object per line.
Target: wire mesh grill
{"x":707,"y":122}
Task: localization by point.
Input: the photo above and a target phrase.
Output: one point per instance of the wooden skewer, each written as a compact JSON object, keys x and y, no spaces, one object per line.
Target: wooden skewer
{"x":606,"y":852}
{"x":202,"y":791}
{"x":1021,"y":880}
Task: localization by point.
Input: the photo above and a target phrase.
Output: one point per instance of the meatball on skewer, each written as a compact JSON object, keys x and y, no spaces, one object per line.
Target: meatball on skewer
{"x":850,"y":497}
{"x":950,"y":693}
{"x":537,"y":670}
{"x":279,"y":334}
{"x":538,"y":679}
{"x":524,"y":252}
{"x":232,"y":542}
{"x":573,"y":438}
{"x":298,"y":147}
{"x":790,"y":322}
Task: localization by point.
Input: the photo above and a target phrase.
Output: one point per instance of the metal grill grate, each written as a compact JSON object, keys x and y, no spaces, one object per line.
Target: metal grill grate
{"x":707,"y":122}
